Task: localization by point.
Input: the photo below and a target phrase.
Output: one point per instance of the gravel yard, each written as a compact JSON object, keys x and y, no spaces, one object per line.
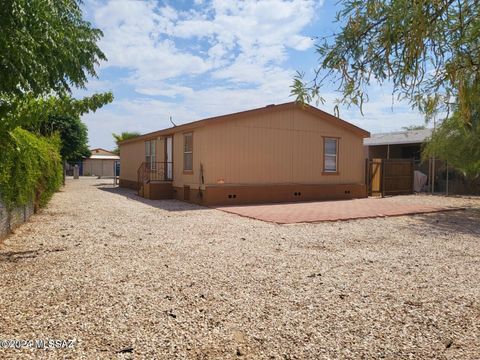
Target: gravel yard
{"x":132,"y":278}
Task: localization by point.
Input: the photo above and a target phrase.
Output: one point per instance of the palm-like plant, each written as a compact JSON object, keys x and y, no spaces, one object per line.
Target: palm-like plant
{"x":123,"y":136}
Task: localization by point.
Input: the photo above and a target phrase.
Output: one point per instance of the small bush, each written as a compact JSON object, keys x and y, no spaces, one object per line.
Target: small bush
{"x":30,"y":168}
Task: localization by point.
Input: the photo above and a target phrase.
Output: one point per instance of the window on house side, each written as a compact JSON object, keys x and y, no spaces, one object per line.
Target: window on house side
{"x":330,"y":162}
{"x":150,"y":154}
{"x":188,"y":152}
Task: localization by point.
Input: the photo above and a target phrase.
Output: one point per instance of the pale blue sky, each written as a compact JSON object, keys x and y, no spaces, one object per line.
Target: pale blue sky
{"x":194,"y":59}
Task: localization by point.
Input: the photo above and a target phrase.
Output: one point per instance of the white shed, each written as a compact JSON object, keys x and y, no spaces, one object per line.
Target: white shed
{"x":100,"y":163}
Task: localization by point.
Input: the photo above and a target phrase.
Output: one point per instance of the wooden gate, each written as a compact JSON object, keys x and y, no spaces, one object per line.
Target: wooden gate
{"x":390,"y":177}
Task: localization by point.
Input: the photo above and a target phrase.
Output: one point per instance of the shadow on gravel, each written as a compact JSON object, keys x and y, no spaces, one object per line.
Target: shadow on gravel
{"x":168,"y":205}
{"x":449,"y":222}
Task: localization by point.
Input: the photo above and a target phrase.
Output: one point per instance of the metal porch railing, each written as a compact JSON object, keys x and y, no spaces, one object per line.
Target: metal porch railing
{"x":153,"y":171}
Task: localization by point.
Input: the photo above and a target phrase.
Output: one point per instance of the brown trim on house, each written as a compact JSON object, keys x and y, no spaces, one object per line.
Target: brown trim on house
{"x":158,"y":190}
{"x":186,"y":193}
{"x":267,"y":109}
{"x":128,"y":184}
{"x":268,"y":193}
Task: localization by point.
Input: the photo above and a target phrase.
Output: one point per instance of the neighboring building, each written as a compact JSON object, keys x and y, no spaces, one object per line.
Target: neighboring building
{"x":397,"y":145}
{"x":408,"y":145}
{"x":286,"y":152}
{"x":101,"y":163}
{"x":399,"y":153}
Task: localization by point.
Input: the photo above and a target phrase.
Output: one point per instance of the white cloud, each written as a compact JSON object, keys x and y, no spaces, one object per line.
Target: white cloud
{"x":215,"y":58}
{"x":146,"y":114}
{"x":166,"y":90}
{"x":300,"y":43}
{"x":239,"y":38}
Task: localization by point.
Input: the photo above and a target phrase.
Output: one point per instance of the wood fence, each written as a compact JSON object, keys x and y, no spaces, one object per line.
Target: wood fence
{"x":389,"y":176}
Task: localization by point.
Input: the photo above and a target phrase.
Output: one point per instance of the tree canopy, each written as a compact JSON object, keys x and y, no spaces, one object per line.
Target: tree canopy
{"x":429,"y":50}
{"x":46,"y":49}
{"x":458,"y":144}
{"x":31,"y":111}
{"x":73,"y":134}
{"x":45,"y":46}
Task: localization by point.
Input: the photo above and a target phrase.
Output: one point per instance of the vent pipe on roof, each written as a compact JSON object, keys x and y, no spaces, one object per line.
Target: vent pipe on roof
{"x":271,"y":105}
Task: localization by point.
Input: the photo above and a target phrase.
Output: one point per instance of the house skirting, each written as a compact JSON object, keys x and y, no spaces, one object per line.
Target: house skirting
{"x":158,"y":190}
{"x":257,"y":194}
{"x":153,"y":190}
{"x":128,"y":184}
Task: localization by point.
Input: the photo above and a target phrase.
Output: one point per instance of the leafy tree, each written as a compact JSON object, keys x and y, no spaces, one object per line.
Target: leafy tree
{"x":31,"y":111}
{"x":73,"y":135}
{"x":45,"y":46}
{"x":45,"y":49}
{"x":30,"y":168}
{"x":458,"y":144}
{"x":123,"y":136}
{"x":429,"y":50}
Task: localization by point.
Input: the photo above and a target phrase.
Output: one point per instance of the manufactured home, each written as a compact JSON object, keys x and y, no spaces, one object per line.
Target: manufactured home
{"x":278,"y":153}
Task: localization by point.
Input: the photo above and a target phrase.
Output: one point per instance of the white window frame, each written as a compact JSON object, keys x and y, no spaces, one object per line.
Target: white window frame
{"x":185,"y":152}
{"x":330,"y":155}
{"x":150,"y":153}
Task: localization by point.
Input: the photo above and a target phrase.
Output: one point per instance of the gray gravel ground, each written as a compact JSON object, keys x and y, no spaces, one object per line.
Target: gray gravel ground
{"x":165,"y":279}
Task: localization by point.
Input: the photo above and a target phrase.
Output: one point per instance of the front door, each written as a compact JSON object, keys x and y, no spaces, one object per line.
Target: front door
{"x":169,"y":157}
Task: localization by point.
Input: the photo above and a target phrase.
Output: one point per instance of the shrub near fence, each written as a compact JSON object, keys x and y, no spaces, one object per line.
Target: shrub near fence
{"x":30,"y":172}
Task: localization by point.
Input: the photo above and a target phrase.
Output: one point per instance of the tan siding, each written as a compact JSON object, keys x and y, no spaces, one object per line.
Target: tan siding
{"x":277,"y":147}
{"x":132,"y":154}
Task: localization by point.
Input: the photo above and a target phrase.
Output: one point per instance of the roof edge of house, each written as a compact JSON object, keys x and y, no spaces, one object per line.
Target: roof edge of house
{"x":392,"y":138}
{"x":292,"y":104}
{"x":345,"y":124}
{"x":111,"y":152}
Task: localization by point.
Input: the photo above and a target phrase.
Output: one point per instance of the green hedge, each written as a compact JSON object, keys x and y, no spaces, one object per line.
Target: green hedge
{"x":30,"y":168}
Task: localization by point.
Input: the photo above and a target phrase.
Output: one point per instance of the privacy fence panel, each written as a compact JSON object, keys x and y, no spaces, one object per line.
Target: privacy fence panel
{"x":390,"y":177}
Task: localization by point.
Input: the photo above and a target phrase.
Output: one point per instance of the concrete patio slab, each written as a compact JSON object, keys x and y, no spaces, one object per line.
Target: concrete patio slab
{"x":334,"y":210}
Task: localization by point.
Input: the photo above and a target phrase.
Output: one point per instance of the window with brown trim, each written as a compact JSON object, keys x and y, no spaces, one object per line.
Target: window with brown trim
{"x":330,"y":155}
{"x":150,"y":157}
{"x":188,"y":152}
